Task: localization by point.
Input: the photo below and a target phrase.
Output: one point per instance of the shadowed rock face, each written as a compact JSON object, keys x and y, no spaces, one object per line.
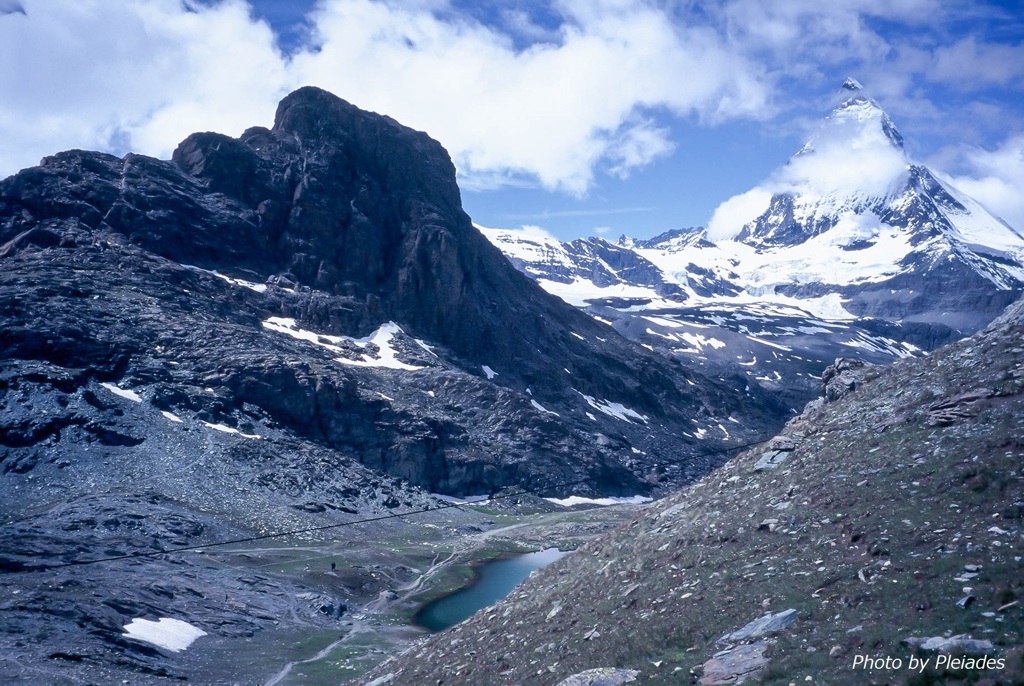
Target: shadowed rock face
{"x":354,"y":221}
{"x":360,"y":210}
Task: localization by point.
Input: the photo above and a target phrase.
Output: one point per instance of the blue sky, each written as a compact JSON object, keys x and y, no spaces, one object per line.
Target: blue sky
{"x":579,"y":116}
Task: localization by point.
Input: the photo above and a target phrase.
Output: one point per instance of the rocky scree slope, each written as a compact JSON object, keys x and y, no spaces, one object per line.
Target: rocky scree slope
{"x":889,"y":512}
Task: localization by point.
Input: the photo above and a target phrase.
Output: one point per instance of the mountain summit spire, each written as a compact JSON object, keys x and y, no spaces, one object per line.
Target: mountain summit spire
{"x":857,"y":110}
{"x":852,"y":84}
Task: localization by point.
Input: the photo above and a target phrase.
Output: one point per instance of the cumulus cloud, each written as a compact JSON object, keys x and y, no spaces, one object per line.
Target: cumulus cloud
{"x":850,"y":154}
{"x":130,"y":75}
{"x":738,"y":211}
{"x":995,"y":178}
{"x":555,"y":94}
{"x":533,"y":232}
{"x":142,"y":74}
{"x":971,"y":65}
{"x":555,"y":111}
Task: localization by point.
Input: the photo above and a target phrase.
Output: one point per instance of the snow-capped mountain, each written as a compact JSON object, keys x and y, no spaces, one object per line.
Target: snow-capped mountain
{"x":586,"y":268}
{"x":851,"y":248}
{"x":850,"y":214}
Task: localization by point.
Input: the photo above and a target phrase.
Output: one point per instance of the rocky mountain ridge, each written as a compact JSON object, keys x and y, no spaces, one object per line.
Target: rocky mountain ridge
{"x":347,"y":226}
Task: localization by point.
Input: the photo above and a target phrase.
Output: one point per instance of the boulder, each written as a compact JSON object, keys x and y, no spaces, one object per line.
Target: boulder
{"x":735,"y":666}
{"x":601,"y":676}
{"x":769,"y":624}
{"x":770,"y":460}
{"x":842,"y":378}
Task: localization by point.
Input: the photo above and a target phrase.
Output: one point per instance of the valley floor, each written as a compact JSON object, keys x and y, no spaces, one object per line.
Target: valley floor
{"x":371,"y":582}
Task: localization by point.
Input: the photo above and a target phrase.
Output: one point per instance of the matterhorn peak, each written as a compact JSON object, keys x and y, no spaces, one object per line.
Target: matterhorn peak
{"x":857,"y":111}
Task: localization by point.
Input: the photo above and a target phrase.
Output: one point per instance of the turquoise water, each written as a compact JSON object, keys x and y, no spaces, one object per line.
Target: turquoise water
{"x":495,"y":580}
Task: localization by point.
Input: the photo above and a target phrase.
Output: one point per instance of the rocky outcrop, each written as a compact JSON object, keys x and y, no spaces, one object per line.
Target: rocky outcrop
{"x":842,"y":378}
{"x":959,"y":407}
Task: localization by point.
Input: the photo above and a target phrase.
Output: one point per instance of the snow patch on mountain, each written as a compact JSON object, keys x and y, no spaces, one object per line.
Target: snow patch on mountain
{"x":616,"y":410}
{"x":385,"y":357}
{"x":574,"y":500}
{"x":580,"y":291}
{"x":858,"y":249}
{"x":700,"y":342}
{"x":252,"y":286}
{"x":126,"y":393}
{"x":540,"y":408}
{"x":530,"y":244}
{"x":223,"y":428}
{"x":171,"y":634}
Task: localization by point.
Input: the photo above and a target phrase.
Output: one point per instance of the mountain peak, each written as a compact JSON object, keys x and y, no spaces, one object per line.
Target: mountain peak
{"x":858,"y":113}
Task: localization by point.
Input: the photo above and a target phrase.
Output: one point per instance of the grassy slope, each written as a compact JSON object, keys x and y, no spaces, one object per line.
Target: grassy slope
{"x":878,"y":511}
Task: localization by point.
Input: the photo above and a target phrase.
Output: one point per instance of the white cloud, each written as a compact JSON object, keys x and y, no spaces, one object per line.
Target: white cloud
{"x":904,"y":49}
{"x":830,"y":32}
{"x":142,"y":74}
{"x":995,"y":178}
{"x":554,"y":93}
{"x":533,"y":232}
{"x":733,"y":214}
{"x":554,"y":111}
{"x":850,"y":154}
{"x":971,"y":65}
{"x":139,"y":74}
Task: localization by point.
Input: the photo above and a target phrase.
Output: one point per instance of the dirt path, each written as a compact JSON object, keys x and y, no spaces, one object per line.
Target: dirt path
{"x":286,"y":670}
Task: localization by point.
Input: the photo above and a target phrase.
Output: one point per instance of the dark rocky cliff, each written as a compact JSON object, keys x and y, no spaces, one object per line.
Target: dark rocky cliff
{"x":353,"y":220}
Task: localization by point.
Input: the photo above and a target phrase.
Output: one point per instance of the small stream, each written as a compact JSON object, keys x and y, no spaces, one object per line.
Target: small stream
{"x":494,"y":581}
